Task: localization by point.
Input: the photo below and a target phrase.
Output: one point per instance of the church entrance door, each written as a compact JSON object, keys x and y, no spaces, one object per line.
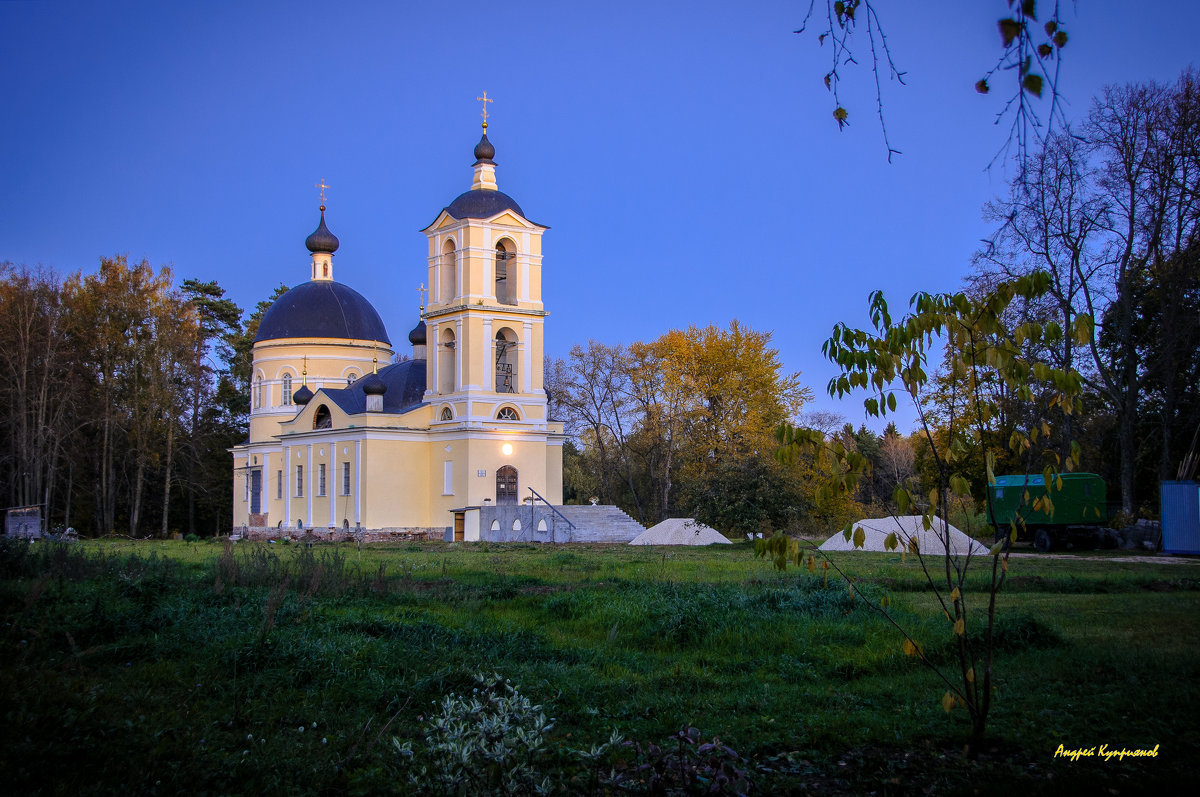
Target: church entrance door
{"x":506,"y":485}
{"x":255,"y":491}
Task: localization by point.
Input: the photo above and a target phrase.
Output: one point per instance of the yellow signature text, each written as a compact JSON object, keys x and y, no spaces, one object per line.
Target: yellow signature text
{"x":1105,"y":752}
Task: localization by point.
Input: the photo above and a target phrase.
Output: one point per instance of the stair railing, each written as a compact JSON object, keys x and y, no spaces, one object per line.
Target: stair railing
{"x":553,"y":524}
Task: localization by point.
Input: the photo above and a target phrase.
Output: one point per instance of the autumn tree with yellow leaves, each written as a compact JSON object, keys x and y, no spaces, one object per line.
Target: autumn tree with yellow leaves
{"x":684,"y":425}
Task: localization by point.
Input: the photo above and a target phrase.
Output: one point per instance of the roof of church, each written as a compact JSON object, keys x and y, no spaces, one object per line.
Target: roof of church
{"x":322,"y":309}
{"x":481,"y":203}
{"x":405,"y":384}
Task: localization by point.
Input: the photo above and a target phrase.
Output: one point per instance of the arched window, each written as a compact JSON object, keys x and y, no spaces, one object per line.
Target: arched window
{"x":506,"y":361}
{"x":447,"y":273}
{"x":447,"y":362}
{"x":322,"y":419}
{"x":506,"y":485}
{"x":258,"y":392}
{"x":447,"y":414}
{"x":287,"y":390}
{"x":506,"y":276}
{"x":507,"y":414}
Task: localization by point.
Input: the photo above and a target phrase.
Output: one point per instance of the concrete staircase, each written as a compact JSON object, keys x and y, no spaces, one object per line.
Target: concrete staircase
{"x":597,"y":524}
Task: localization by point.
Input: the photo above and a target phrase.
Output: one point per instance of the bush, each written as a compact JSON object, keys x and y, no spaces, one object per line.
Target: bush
{"x":491,"y":742}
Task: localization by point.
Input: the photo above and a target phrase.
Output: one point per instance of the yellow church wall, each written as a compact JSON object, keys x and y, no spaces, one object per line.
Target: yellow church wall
{"x":554,"y":471}
{"x":396,"y":483}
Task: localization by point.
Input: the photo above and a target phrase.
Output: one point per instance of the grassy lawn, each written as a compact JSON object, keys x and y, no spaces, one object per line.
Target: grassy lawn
{"x":173,"y":667}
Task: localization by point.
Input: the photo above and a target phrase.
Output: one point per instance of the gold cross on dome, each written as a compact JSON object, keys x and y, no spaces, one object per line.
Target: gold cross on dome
{"x":322,"y":185}
{"x":421,"y":292}
{"x":485,"y":100}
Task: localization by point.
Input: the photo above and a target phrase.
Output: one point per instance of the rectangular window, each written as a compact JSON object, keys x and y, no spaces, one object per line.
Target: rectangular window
{"x":345,"y":478}
{"x":279,"y":484}
{"x":448,"y":478}
{"x":299,"y":481}
{"x":321,"y":479}
{"x":247,"y":498}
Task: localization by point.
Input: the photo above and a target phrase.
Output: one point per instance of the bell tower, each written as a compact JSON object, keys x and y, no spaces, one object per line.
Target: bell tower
{"x":485,"y":315}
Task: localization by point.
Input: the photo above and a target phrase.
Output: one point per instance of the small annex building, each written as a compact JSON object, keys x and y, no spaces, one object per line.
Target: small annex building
{"x":343,"y":439}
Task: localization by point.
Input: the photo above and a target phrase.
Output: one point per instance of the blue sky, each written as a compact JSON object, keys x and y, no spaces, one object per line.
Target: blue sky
{"x":682,"y":153}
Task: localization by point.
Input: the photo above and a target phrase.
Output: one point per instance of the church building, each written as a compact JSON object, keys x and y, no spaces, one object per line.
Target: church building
{"x":342,"y":439}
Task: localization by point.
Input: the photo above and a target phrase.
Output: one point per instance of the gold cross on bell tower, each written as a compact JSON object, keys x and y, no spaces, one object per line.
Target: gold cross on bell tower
{"x":421,"y":292}
{"x":485,"y":100}
{"x":322,"y":185}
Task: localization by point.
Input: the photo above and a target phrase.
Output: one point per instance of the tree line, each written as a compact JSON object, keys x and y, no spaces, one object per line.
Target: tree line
{"x":122,"y":393}
{"x":1108,"y":211}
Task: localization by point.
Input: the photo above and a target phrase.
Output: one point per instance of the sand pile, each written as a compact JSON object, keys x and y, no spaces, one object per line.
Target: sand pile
{"x":680,"y":531}
{"x":906,"y":528}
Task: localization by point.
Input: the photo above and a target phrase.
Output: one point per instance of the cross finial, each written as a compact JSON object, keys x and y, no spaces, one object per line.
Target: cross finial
{"x":304,"y":371}
{"x":322,"y":185}
{"x":422,"y":292}
{"x":374,"y":357}
{"x":485,"y":100}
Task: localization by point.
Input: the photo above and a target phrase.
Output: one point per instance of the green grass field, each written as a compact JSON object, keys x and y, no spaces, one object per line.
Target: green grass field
{"x":163,"y":668}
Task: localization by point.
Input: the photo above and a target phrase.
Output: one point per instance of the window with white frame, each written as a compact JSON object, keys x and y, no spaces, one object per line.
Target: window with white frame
{"x":345,"y":478}
{"x":279,"y":484}
{"x":321,"y":479}
{"x":299,"y":481}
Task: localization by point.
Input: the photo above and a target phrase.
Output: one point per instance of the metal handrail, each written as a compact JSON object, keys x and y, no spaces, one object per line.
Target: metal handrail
{"x":552,"y":509}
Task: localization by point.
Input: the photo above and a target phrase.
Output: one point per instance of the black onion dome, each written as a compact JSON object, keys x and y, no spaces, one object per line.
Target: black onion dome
{"x":321,"y":239}
{"x":302,"y":396}
{"x":482,"y":203}
{"x":417,"y":336}
{"x":372,"y":385}
{"x":322,"y":309}
{"x":484,"y":151}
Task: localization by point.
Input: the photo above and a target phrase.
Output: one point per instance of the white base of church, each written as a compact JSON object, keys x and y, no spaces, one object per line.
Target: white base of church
{"x":335,"y":534}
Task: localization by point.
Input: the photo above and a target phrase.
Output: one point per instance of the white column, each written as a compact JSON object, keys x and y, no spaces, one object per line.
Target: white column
{"x":527,"y":359}
{"x":358,"y":481}
{"x":263,"y":506}
{"x":433,"y":350}
{"x":287,"y":486}
{"x":459,"y":257}
{"x":460,"y":355}
{"x":332,"y":483}
{"x":308,"y":520}
{"x":489,"y":356}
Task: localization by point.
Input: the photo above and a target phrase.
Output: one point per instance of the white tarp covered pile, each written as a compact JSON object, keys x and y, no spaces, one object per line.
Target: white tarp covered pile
{"x":680,"y":531}
{"x":907,"y":527}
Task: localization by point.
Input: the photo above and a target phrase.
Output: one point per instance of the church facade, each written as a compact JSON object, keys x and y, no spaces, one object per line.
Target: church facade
{"x":340,"y":443}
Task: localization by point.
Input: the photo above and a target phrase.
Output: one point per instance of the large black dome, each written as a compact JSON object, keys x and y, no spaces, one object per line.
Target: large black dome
{"x":482,"y":203}
{"x":322,"y":309}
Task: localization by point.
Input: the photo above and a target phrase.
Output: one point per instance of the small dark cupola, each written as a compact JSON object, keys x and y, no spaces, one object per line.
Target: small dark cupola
{"x":484,"y":151}
{"x":372,"y":385}
{"x":373,"y":388}
{"x":321,"y":239}
{"x":302,"y":396}
{"x":417,"y":339}
{"x":485,"y":167}
{"x":322,"y":243}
